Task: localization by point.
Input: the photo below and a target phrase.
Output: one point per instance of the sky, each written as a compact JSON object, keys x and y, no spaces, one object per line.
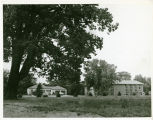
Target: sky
{"x":130,"y":46}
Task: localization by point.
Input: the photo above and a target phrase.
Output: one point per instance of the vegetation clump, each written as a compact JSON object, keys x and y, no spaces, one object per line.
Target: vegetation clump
{"x":39,"y":91}
{"x":58,"y":94}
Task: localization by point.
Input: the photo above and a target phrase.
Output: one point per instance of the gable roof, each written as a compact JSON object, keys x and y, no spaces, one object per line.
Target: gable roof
{"x":33,"y":87}
{"x":131,"y":82}
{"x":54,"y":87}
{"x":48,"y":87}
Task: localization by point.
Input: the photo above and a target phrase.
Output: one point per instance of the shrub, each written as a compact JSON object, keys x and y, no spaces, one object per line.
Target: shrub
{"x":90,"y":94}
{"x":45,"y":95}
{"x":19,"y":96}
{"x":75,"y":89}
{"x":134,"y":93}
{"x":119,"y":93}
{"x":146,"y":93}
{"x":58,"y":94}
{"x":75,"y":95}
{"x":105,"y":93}
{"x":39,"y":90}
{"x":34,"y":93}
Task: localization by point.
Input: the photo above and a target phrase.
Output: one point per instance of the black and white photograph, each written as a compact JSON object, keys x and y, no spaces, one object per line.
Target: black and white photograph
{"x":77,"y":60}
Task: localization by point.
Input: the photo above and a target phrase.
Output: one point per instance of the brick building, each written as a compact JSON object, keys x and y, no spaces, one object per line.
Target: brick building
{"x":128,"y":88}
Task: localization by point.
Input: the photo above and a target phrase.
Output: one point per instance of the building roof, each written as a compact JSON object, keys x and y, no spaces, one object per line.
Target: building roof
{"x":33,"y":87}
{"x":54,"y":87}
{"x":48,"y":87}
{"x":131,"y":82}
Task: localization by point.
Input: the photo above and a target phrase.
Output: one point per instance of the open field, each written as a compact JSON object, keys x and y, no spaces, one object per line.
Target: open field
{"x":78,"y":107}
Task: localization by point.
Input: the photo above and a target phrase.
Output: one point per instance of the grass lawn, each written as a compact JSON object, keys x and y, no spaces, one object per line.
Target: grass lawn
{"x":78,"y":107}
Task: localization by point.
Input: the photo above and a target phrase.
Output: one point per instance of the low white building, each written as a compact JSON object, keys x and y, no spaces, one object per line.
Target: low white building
{"x":48,"y":90}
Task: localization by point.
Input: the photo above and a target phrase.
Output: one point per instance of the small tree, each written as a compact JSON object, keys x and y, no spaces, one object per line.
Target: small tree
{"x":58,"y":94}
{"x":119,"y":93}
{"x":100,"y":75}
{"x":39,"y":90}
{"x":75,"y":89}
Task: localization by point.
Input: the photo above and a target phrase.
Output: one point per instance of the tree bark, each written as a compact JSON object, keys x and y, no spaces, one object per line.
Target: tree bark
{"x":16,"y":74}
{"x":12,"y":86}
{"x":26,"y":66}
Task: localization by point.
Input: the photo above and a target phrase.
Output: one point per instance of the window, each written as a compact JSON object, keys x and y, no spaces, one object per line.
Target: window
{"x":131,"y":88}
{"x":126,"y":87}
{"x":136,"y":88}
{"x":48,"y":90}
{"x":126,"y":90}
{"x":139,"y":87}
{"x":63,"y":92}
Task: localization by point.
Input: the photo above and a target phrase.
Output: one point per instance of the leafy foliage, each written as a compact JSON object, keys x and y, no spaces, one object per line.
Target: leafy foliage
{"x":64,"y":24}
{"x":39,"y":91}
{"x":146,"y":81}
{"x":75,"y":89}
{"x":53,"y":38}
{"x":58,"y":94}
{"x":119,"y":93}
{"x":28,"y":81}
{"x":123,"y":76}
{"x":100,"y":75}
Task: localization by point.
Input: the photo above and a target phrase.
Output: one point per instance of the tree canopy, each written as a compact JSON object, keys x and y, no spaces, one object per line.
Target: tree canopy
{"x":100,"y":75}
{"x":123,"y":76}
{"x":51,"y":37}
{"x":146,"y":81}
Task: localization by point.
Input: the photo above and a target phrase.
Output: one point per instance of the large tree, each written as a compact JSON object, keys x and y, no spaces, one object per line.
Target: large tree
{"x":123,"y":76}
{"x":28,"y":81}
{"x":44,"y":36}
{"x":100,"y":75}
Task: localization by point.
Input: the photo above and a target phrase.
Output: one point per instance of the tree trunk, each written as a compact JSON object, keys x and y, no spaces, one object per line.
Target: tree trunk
{"x":12,"y":86}
{"x":26,"y":66}
{"x":16,"y":74}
